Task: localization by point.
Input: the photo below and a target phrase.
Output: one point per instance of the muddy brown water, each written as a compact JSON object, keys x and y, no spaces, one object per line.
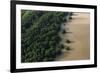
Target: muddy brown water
{"x":80,"y":28}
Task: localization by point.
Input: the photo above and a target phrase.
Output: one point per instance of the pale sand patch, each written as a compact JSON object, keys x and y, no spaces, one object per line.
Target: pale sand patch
{"x":80,"y":28}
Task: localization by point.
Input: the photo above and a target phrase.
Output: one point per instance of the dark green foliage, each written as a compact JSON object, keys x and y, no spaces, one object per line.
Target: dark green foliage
{"x":39,"y":35}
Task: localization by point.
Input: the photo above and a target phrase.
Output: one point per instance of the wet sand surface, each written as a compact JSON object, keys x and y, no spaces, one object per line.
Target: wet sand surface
{"x":79,"y":25}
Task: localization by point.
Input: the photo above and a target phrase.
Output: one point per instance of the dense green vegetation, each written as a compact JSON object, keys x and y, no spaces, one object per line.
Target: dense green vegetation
{"x":40,"y":40}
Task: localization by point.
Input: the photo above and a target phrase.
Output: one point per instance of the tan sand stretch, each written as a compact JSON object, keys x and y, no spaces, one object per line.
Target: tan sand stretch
{"x":80,"y":28}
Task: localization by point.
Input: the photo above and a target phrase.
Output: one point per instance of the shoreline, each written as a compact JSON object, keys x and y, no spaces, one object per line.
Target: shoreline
{"x":79,"y":26}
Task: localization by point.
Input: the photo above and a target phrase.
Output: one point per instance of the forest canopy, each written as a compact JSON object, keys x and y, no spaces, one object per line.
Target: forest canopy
{"x":40,"y":40}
